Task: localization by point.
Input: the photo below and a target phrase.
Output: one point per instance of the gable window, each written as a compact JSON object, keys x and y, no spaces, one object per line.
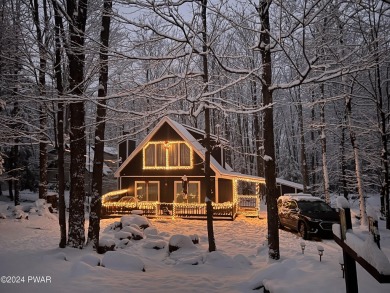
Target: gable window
{"x":149,"y":157}
{"x":167,"y":155}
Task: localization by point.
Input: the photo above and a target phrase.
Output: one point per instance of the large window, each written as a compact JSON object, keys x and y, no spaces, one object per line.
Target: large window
{"x":147,"y":190}
{"x":167,"y":155}
{"x":193,"y":193}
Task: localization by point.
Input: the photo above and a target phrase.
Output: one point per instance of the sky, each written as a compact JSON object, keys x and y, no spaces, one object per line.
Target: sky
{"x":29,"y":252}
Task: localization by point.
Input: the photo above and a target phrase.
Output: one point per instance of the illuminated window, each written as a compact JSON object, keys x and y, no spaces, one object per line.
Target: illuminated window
{"x":173,"y":154}
{"x":167,"y":155}
{"x":184,"y":155}
{"x":193,"y":194}
{"x":147,"y":190}
{"x":149,"y":155}
{"x":161,"y":155}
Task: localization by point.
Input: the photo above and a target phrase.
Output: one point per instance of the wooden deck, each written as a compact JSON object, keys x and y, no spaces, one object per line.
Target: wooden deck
{"x":222,"y":211}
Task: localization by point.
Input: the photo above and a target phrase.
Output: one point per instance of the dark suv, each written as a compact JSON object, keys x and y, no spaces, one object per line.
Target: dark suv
{"x":306,"y":214}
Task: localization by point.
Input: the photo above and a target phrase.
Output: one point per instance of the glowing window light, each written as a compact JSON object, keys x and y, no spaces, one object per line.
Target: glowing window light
{"x":168,"y":166}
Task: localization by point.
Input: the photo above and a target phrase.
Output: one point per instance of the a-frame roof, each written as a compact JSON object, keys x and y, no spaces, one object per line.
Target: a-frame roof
{"x":181,"y":130}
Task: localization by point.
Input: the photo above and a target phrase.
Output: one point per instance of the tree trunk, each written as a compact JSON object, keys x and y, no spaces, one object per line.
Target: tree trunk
{"x":384,"y":142}
{"x":207,"y":170}
{"x":60,"y":125}
{"x":98,"y":160}
{"x":362,"y":202}
{"x":344,"y":119}
{"x":313,"y":143}
{"x":77,"y":15}
{"x":323,"y":148}
{"x":15,"y":173}
{"x":42,"y":92}
{"x":10,"y":190}
{"x":304,"y":171}
{"x":343,"y":161}
{"x":257,"y":134}
{"x":268,"y":132}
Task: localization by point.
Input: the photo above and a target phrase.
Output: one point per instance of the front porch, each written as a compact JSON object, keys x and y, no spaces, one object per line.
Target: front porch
{"x":118,"y":203}
{"x":222,"y":211}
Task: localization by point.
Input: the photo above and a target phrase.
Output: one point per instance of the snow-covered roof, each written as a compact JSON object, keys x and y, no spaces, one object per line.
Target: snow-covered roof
{"x":220,"y":171}
{"x":299,"y":197}
{"x":202,"y":132}
{"x":289,"y":183}
{"x":111,"y":150}
{"x":90,"y":153}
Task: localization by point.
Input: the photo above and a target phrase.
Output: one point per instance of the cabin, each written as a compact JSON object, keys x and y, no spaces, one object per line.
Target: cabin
{"x":164,"y":176}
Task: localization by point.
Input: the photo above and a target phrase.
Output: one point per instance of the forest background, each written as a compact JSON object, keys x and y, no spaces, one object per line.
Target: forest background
{"x":300,"y":89}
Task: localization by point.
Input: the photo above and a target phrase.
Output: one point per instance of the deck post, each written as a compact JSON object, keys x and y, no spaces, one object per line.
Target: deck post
{"x":351,"y":282}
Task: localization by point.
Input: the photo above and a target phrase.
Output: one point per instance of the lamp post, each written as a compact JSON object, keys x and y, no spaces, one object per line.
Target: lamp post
{"x":303,"y":245}
{"x":320,"y":251}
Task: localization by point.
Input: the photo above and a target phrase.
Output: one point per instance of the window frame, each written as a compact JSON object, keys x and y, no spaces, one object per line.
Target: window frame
{"x":177,"y":192}
{"x":168,"y":155}
{"x":147,"y":190}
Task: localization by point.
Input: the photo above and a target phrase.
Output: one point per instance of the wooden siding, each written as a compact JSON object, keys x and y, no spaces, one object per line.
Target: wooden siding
{"x":167,"y":186}
{"x":165,"y":133}
{"x":225,"y":190}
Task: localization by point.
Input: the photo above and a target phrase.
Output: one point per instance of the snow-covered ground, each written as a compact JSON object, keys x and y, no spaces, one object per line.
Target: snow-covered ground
{"x":29,"y":254}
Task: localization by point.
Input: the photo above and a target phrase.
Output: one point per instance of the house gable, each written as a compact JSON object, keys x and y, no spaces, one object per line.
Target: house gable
{"x":163,"y":133}
{"x":168,"y":129}
{"x":157,"y":175}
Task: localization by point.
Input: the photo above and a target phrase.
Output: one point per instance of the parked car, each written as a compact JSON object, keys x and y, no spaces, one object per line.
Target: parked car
{"x":306,"y":214}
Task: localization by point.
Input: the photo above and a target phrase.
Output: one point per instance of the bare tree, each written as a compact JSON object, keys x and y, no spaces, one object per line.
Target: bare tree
{"x":98,"y":160}
{"x":207,"y":170}
{"x":77,"y":17}
{"x":268,"y":130}
{"x":303,"y":157}
{"x":42,"y":40}
{"x":362,"y":202}
{"x":59,"y":33}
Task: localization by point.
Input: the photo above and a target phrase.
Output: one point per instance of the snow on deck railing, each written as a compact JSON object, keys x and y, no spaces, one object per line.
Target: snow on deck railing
{"x":113,"y":194}
{"x":366,"y":252}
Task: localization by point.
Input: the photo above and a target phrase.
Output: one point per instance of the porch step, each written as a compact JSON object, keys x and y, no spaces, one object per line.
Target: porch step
{"x":250,"y":213}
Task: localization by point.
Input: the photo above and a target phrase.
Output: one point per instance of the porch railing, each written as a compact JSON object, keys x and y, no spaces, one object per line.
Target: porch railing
{"x":180,"y":210}
{"x":248,"y":205}
{"x":220,"y":210}
{"x":113,"y":208}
